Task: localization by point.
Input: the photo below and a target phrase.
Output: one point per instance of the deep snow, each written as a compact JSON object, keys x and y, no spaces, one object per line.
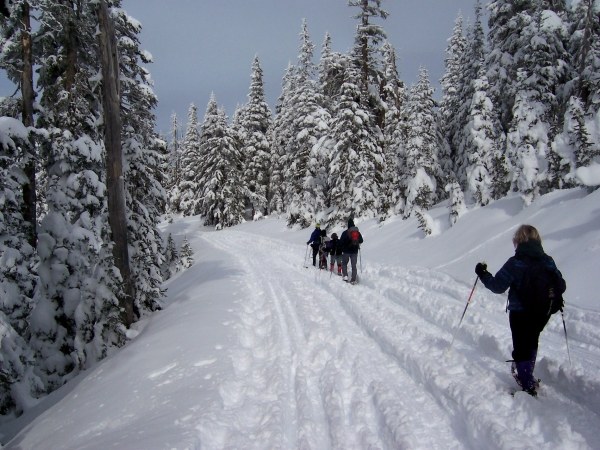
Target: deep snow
{"x":255,"y":351}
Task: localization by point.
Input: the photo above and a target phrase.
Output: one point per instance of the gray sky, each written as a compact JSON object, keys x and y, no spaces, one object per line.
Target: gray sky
{"x":204,"y":46}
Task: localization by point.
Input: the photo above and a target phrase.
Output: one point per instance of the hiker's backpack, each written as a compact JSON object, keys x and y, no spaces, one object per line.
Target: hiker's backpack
{"x":541,"y":289}
{"x":354,"y":236}
{"x":329,"y":245}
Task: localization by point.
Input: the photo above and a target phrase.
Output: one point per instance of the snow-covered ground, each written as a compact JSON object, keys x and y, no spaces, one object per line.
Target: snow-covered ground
{"x":255,"y":351}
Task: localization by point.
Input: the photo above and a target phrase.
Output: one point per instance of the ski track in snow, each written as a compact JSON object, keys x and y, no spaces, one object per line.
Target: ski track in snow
{"x":323,"y":364}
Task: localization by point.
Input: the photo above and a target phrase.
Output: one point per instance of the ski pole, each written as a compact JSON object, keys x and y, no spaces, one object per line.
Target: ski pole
{"x":464,"y":311}
{"x":360,"y":258}
{"x":305,"y":257}
{"x":562,"y":313}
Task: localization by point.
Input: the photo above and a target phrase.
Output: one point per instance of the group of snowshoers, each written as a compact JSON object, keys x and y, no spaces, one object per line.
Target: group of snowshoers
{"x":338,"y":250}
{"x":535,"y":287}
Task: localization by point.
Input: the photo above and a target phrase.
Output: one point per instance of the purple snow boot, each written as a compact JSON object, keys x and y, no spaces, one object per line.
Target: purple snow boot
{"x":524,"y":376}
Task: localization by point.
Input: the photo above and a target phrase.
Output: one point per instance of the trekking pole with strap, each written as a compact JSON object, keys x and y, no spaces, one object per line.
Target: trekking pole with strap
{"x":464,"y":311}
{"x":562,"y":313}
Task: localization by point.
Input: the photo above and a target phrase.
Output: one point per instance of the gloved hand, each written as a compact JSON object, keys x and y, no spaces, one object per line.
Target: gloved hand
{"x":481,"y":269}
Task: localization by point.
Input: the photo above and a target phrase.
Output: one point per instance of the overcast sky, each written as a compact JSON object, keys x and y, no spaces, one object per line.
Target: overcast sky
{"x":204,"y":46}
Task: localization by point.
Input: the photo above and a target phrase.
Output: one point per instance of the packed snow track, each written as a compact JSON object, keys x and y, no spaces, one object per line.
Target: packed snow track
{"x":322,"y":364}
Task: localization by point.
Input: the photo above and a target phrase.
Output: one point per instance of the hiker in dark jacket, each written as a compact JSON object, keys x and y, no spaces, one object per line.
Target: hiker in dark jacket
{"x":525,"y":325}
{"x":350,"y":241}
{"x":335,"y":250}
{"x":315,"y":242}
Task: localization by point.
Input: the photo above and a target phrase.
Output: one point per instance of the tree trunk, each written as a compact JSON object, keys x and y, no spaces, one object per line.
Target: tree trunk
{"x":29,"y":195}
{"x":114,"y":158}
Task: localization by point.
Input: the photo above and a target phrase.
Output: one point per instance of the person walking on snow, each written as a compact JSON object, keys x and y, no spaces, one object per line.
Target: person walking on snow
{"x":350,"y":242}
{"x":525,"y":324}
{"x":323,"y":250}
{"x":335,"y":250}
{"x":315,"y":242}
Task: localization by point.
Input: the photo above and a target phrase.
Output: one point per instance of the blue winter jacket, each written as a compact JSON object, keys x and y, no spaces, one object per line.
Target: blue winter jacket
{"x":315,"y":238}
{"x":510,"y":276}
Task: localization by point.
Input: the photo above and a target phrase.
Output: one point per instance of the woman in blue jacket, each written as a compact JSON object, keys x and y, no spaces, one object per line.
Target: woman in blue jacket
{"x":525,"y":326}
{"x":315,"y":241}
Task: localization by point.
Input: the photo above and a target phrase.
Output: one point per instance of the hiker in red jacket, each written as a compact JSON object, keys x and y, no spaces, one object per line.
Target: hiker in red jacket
{"x":350,"y":241}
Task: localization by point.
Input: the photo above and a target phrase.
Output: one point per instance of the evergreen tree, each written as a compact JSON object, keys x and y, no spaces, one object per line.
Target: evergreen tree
{"x":422,"y":176}
{"x":471,"y":68}
{"x":394,"y":96}
{"x":281,"y":136}
{"x":309,"y":123}
{"x":456,"y":202}
{"x":507,"y":19}
{"x":256,"y":121}
{"x":451,"y":83}
{"x":186,"y":254}
{"x":174,"y":166}
{"x":481,"y":137}
{"x":191,"y":166}
{"x":585,"y":48}
{"x":574,"y":147}
{"x":144,"y":158}
{"x":18,"y":383}
{"x":18,"y":57}
{"x":356,"y":166}
{"x":527,"y":138}
{"x":223,"y":191}
{"x":366,"y":54}
{"x":76,"y":318}
{"x":171,"y":259}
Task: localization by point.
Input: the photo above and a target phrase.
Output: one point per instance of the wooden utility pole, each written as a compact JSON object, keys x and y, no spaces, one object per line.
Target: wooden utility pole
{"x":114,"y":158}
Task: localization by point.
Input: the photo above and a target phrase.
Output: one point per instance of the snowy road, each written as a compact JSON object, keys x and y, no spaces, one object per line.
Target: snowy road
{"x":322,"y":364}
{"x":254,"y":351}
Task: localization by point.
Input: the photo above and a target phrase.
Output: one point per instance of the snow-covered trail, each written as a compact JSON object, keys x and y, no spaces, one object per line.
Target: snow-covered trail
{"x":323,"y":364}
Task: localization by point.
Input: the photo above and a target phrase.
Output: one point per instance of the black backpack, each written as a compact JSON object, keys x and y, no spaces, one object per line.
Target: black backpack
{"x":541,"y":289}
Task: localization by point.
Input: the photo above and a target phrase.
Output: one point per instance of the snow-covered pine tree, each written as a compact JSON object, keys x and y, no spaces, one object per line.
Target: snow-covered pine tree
{"x":527,"y":138}
{"x":543,"y":73}
{"x":585,"y":50}
{"x":309,"y":123}
{"x":280,"y":140}
{"x":18,"y":384}
{"x":171,"y":259}
{"x":507,"y":19}
{"x":223,"y":190}
{"x":366,"y":54}
{"x":451,"y":83}
{"x":330,"y":74}
{"x":456,"y":201}
{"x":583,"y":112}
{"x":191,"y":166}
{"x":482,"y":141}
{"x":144,"y":158}
{"x":422,"y":175}
{"x":471,"y":64}
{"x":186,"y":254}
{"x":76,"y":318}
{"x":255,"y":120}
{"x":574,"y":147}
{"x":424,"y":220}
{"x":356,"y":165}
{"x":394,"y":97}
{"x":17,"y":57}
{"x":174,"y":167}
